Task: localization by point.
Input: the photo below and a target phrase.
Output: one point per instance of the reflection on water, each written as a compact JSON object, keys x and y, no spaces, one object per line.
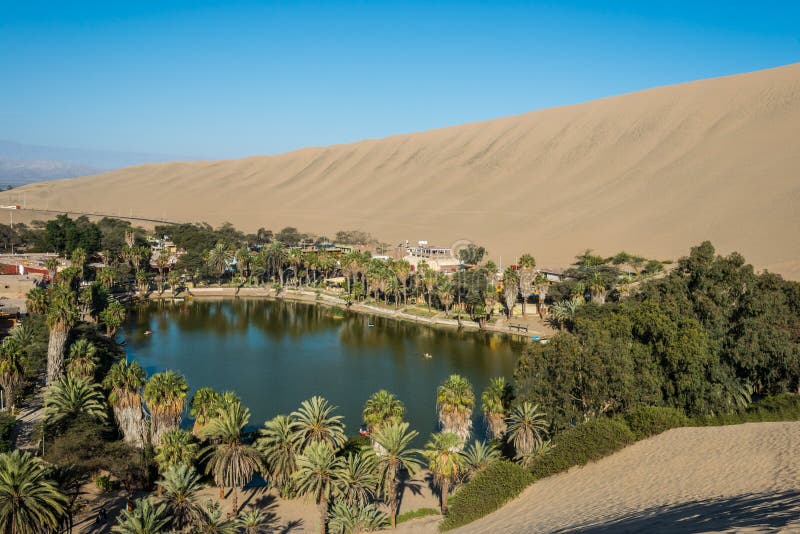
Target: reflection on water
{"x":275,"y":354}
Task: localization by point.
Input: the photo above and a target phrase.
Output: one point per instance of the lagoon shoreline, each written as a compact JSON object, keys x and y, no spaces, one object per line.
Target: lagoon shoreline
{"x":330,"y":301}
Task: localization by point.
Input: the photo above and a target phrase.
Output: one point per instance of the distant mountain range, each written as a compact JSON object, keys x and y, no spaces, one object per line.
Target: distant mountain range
{"x":23,"y":164}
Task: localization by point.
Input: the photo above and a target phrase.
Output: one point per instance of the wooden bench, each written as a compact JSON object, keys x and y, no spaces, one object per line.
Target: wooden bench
{"x":519,"y":327}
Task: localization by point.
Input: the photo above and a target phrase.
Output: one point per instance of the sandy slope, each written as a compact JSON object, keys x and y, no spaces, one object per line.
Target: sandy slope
{"x":742,"y":478}
{"x":651,"y":172}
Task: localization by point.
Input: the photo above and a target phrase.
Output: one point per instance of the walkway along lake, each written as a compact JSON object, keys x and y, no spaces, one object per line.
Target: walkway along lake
{"x":275,"y":354}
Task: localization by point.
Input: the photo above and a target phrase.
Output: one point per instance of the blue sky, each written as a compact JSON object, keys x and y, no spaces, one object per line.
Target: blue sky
{"x":228,"y":79}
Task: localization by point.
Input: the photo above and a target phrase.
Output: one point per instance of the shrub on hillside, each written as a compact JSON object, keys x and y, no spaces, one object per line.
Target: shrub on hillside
{"x":489,"y":490}
{"x":783,"y":407}
{"x":646,"y":421}
{"x":581,"y":444}
{"x":6,"y":426}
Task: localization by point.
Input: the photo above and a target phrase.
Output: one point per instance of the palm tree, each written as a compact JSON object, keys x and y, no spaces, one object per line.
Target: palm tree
{"x":495,"y":403}
{"x":446,"y":293}
{"x":527,"y":277}
{"x":165,"y":395}
{"x":478,"y":456}
{"x":278,"y":444}
{"x":36,"y":301}
{"x":203,"y":407}
{"x":510,"y":289}
{"x":113,"y":316}
{"x":355,"y":518}
{"x":217,"y":259}
{"x":180,"y":485}
{"x":527,"y":429}
{"x":176,"y":448}
{"x":70,"y":397}
{"x":212,"y":521}
{"x":562,"y":313}
{"x":316,"y":476}
{"x":146,"y":518}
{"x":82,"y":359}
{"x":382,"y":408}
{"x":454,"y":402}
{"x":444,"y":461}
{"x":256,"y":521}
{"x":597,"y":288}
{"x":62,"y":315}
{"x":29,"y":502}
{"x":395,"y":439}
{"x":78,"y":260}
{"x":52,"y":265}
{"x":12,"y":372}
{"x":402,"y":269}
{"x":106,"y":276}
{"x":124,"y":382}
{"x":231,"y":462}
{"x":542,"y":286}
{"x":315,"y":422}
{"x":142,"y":282}
{"x":358,"y":478}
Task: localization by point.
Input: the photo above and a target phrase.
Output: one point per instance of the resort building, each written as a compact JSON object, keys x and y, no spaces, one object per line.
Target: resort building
{"x":439,"y":259}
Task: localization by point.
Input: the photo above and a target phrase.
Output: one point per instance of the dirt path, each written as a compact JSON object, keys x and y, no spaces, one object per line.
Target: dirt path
{"x":30,"y":413}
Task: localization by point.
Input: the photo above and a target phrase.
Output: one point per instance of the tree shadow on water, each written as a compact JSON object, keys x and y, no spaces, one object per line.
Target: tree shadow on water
{"x":762,"y":511}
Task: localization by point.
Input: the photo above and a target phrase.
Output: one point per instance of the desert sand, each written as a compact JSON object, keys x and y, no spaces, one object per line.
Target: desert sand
{"x":735,"y":478}
{"x":651,"y":172}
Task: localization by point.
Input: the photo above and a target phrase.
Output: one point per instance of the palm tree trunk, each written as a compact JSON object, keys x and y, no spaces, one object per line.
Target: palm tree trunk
{"x":393,"y":504}
{"x":235,"y":507}
{"x":221,"y":492}
{"x":55,"y":352}
{"x":445,"y":491}
{"x":323,"y":516}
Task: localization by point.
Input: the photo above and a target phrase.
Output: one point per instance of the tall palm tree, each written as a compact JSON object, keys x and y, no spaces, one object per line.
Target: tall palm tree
{"x":278,"y":444}
{"x":70,"y":397}
{"x":316,"y":476}
{"x":348,"y":518}
{"x":444,"y":461}
{"x":358,"y":478}
{"x":217,"y":259}
{"x":82,"y":359}
{"x":256,"y":521}
{"x":495,"y":402}
{"x":402,"y":269}
{"x":52,"y":265}
{"x":510,"y":289}
{"x":315,"y":422}
{"x":113,"y":316}
{"x":106,"y":276}
{"x":62,"y":315}
{"x":203,"y":407}
{"x":454,"y":402}
{"x":180,"y":485}
{"x":176,"y":448}
{"x":542,"y":286}
{"x":29,"y":502}
{"x":36,"y":301}
{"x":527,"y":278}
{"x":124,"y":383}
{"x":12,"y":372}
{"x":445,"y":290}
{"x":78,"y":260}
{"x":231,"y":462}
{"x":165,"y":395}
{"x":478,"y":456}
{"x":527,"y":429}
{"x":395,"y":439}
{"x":146,"y":518}
{"x":382,"y":408}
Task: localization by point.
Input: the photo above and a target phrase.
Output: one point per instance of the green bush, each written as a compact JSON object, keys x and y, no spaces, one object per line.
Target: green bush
{"x":6,"y":426}
{"x":489,"y":490}
{"x":104,"y":483}
{"x":784,"y":407}
{"x":581,"y":444}
{"x":416,"y":514}
{"x":646,"y":421}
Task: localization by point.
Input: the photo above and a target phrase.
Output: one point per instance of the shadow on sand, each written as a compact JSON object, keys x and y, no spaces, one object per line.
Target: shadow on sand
{"x":762,"y":511}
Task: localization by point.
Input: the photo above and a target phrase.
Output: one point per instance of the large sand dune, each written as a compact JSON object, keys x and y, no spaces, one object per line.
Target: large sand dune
{"x":743,"y":478}
{"x":651,"y":172}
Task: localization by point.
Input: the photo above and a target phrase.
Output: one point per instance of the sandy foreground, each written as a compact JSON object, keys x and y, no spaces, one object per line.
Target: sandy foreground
{"x":652,"y":172}
{"x":743,"y":478}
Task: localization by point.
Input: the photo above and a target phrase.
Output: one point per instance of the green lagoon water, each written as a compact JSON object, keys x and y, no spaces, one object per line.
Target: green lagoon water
{"x":276,"y":354}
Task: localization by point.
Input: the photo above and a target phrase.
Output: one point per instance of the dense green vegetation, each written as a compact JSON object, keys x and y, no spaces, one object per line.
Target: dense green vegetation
{"x":638,"y":351}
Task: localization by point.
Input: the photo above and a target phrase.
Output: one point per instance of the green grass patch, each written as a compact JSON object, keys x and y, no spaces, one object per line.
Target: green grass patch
{"x":416,"y":514}
{"x":489,"y":490}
